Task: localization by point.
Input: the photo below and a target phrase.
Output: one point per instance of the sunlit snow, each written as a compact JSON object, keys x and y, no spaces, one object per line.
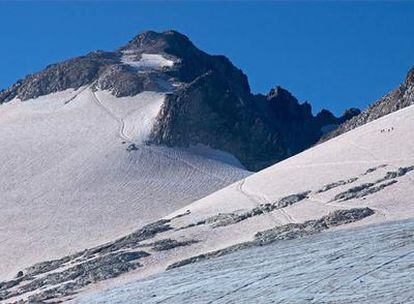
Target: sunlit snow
{"x":146,"y":61}
{"x":67,"y":181}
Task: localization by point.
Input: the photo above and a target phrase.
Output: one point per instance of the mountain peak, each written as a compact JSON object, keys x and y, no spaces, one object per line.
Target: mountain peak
{"x":209,"y":100}
{"x":170,"y":41}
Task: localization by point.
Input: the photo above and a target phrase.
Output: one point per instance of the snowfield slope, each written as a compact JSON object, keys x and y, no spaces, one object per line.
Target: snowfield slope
{"x":376,"y":166}
{"x":368,"y":168}
{"x":363,"y":177}
{"x":75,"y":173}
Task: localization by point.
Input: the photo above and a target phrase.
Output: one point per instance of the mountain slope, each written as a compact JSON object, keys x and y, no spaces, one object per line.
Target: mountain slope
{"x":68,"y":180}
{"x":77,"y":168}
{"x":365,"y":173}
{"x":210,"y":102}
{"x":362,"y":177}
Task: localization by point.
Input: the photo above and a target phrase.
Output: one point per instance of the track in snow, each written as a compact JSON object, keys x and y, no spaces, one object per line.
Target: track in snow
{"x":66,"y":183}
{"x":120,"y":121}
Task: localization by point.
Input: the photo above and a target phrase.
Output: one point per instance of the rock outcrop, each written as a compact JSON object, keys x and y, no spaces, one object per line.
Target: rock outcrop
{"x":286,"y":232}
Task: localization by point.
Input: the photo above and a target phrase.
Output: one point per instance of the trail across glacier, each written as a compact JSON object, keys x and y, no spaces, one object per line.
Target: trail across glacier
{"x":120,"y":121}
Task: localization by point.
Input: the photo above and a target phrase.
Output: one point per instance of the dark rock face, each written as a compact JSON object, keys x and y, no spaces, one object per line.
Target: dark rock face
{"x":209,"y":103}
{"x":223,"y":114}
{"x":100,"y":69}
{"x":209,"y":112}
{"x":401,"y":97}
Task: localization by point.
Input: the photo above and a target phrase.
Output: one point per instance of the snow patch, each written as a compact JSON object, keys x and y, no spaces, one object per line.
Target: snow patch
{"x":145,"y":62}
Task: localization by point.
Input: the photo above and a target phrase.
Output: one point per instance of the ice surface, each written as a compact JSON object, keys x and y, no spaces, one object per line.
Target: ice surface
{"x":365,"y":265}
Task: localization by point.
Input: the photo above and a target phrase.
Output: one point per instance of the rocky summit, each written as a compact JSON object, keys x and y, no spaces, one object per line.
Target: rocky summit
{"x":209,"y":100}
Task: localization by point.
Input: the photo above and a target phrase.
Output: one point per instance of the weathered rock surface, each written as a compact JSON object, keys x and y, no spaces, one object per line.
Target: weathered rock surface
{"x":337,"y":184}
{"x":293,"y":230}
{"x":373,"y":169}
{"x":224,"y":219}
{"x":62,"y":277}
{"x":287,"y":232}
{"x":371,"y":188}
{"x":78,"y":276}
{"x":398,"y":173}
{"x":168,"y":244}
{"x":259,"y":130}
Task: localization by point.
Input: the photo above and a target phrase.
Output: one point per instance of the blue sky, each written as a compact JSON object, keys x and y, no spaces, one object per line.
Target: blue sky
{"x":333,"y":54}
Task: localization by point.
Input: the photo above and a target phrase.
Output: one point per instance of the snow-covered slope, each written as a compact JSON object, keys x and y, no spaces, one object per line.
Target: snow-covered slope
{"x":381,"y":146}
{"x":74,"y":173}
{"x":362,"y":156}
{"x":359,"y":178}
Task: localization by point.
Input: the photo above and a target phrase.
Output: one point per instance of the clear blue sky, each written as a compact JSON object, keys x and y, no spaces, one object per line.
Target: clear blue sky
{"x":332,"y":54}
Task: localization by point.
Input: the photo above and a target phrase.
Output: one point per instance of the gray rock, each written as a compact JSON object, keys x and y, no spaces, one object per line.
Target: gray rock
{"x":132,"y":147}
{"x":80,"y":275}
{"x":168,"y":244}
{"x":373,"y":169}
{"x":336,"y":184}
{"x":224,"y":219}
{"x":80,"y":269}
{"x":292,"y":199}
{"x":394,"y":174}
{"x":286,"y":232}
{"x":220,"y":112}
{"x":371,"y":188}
